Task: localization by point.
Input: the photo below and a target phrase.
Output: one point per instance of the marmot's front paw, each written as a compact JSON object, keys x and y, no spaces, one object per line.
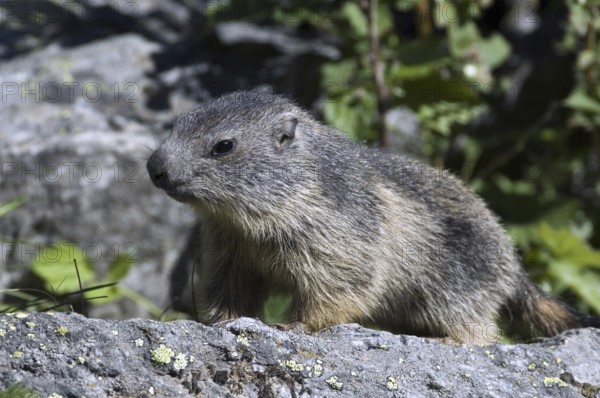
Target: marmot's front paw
{"x":297,"y":327}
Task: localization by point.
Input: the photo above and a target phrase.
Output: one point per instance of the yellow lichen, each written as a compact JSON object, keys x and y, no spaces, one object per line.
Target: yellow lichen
{"x":30,"y":325}
{"x":293,"y":365}
{"x":391,"y":383}
{"x":180,"y":362}
{"x":17,"y":354}
{"x":2,"y":332}
{"x":21,"y":315}
{"x":318,"y":370}
{"x":531,"y":366}
{"x":62,"y":330}
{"x":243,"y":340}
{"x":162,"y":354}
{"x":334,"y":383}
{"x":550,"y":381}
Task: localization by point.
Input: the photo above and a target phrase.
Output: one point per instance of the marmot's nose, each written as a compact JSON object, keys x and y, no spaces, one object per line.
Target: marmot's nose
{"x":156,"y":169}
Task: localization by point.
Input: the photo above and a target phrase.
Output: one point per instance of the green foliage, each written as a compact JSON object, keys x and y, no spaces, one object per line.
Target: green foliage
{"x":434,"y":75}
{"x":583,"y":28}
{"x":55,"y":265}
{"x":18,"y":390}
{"x":276,"y":308}
{"x":11,"y":206}
{"x":447,"y":74}
{"x":564,"y":258}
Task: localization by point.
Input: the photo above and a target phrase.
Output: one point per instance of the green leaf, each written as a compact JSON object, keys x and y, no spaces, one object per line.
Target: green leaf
{"x":514,"y":187}
{"x":462,"y":38}
{"x":352,"y":113}
{"x":494,"y":50}
{"x":579,"y":100}
{"x":104,"y":295}
{"x":445,"y":13}
{"x":406,"y":5}
{"x":583,"y":283}
{"x":384,"y":19}
{"x":276,"y":307}
{"x":413,"y":72}
{"x":356,"y":17}
{"x":10,"y":206}
{"x":567,"y":246}
{"x":54,"y":264}
{"x":423,"y":51}
{"x":586,"y":59}
{"x":337,"y":73}
{"x":120,"y":267}
{"x":441,"y":116}
{"x":580,"y":17}
{"x":148,"y":305}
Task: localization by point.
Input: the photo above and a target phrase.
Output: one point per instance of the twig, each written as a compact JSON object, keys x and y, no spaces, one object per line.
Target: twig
{"x":194,"y":305}
{"x":81,"y":298}
{"x":381,"y":90}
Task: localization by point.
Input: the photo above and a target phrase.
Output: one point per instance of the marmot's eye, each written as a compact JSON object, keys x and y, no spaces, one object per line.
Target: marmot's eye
{"x":223,"y":147}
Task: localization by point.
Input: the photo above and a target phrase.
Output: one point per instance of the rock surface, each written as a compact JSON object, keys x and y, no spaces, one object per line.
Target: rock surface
{"x":78,"y":159}
{"x":72,"y":356}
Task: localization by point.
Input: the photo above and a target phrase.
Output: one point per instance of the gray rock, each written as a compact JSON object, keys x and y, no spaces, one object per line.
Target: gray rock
{"x":80,"y":164}
{"x":91,"y":189}
{"x":284,"y":40}
{"x":73,"y":356}
{"x":115,"y":82}
{"x":403,"y":125}
{"x":32,"y":24}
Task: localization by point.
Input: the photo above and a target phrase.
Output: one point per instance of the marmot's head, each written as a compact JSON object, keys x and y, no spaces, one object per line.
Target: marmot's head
{"x":243,"y":150}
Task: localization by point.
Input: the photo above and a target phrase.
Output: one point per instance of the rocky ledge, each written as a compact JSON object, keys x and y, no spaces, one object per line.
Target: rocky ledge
{"x":62,"y":355}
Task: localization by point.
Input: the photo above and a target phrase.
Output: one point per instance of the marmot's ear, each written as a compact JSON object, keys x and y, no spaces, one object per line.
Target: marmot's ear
{"x":285,"y":130}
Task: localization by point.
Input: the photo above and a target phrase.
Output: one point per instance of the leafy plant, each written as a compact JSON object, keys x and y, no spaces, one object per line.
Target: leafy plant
{"x":11,"y":206}
{"x":18,"y":390}
{"x":68,"y":273}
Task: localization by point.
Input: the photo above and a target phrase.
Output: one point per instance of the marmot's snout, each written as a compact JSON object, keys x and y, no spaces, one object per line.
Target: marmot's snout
{"x":157,"y":170}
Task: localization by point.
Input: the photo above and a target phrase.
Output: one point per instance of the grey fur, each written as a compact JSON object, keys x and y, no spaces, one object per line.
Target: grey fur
{"x":356,"y":234}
